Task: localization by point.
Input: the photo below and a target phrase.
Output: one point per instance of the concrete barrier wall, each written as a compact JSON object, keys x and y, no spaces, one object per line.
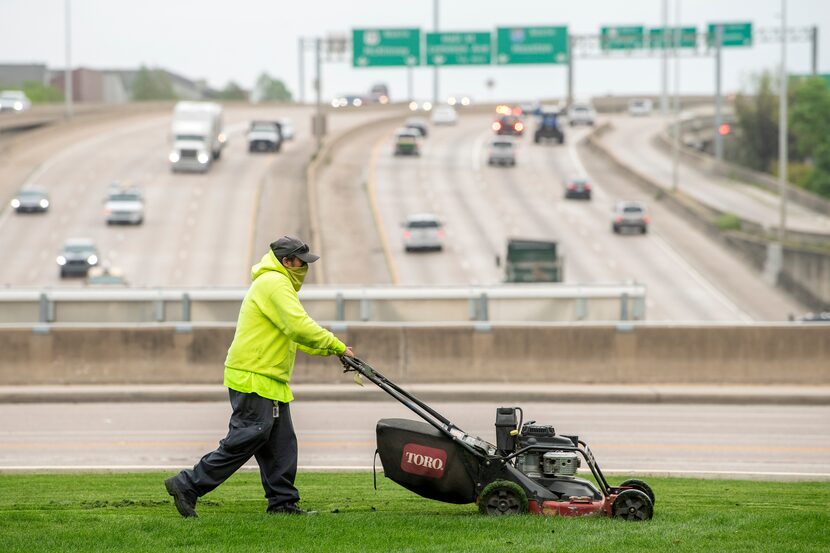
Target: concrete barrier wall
{"x":715,"y":354}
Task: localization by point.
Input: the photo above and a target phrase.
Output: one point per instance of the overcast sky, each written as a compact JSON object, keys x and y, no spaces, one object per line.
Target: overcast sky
{"x":237,"y":40}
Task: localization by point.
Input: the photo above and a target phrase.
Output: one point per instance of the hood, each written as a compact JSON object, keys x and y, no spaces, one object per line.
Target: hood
{"x":269,"y":263}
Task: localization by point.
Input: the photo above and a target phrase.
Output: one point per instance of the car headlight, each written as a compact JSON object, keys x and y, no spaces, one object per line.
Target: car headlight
{"x":357,"y":102}
{"x":203,"y":157}
{"x":427,"y":106}
{"x":223,"y":137}
{"x":413,"y":106}
{"x":174,"y":157}
{"x":15,"y":203}
{"x":61,"y":260}
{"x":465,"y":101}
{"x":44,"y":203}
{"x":92,"y":259}
{"x":18,"y":106}
{"x":451,"y":100}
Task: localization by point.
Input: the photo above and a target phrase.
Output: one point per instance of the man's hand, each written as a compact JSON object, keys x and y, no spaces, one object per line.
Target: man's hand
{"x":348,"y":352}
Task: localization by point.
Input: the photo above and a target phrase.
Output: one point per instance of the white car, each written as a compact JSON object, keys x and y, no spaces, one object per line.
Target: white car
{"x":124,"y":206}
{"x":640,"y":108}
{"x":444,"y":115}
{"x":423,"y":231}
{"x":14,"y":100}
{"x":502,"y":151}
{"x":581,"y":114}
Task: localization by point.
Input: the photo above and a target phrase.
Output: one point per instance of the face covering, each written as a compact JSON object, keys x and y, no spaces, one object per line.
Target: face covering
{"x":297,"y":275}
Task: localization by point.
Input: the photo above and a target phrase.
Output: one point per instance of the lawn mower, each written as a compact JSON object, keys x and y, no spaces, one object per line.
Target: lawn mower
{"x":530,"y":469}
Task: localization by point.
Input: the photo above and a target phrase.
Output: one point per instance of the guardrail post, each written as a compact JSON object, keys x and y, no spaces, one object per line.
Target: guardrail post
{"x":624,"y":307}
{"x":186,"y":307}
{"x":43,"y":315}
{"x":483,"y":314}
{"x":339,"y":307}
{"x":365,"y":309}
{"x":159,"y":310}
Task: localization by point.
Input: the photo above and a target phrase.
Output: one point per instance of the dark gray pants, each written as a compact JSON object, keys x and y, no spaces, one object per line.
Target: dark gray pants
{"x":252,"y":431}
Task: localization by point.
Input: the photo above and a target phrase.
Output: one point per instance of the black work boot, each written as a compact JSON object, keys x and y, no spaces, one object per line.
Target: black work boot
{"x":289,"y":509}
{"x":184,"y":503}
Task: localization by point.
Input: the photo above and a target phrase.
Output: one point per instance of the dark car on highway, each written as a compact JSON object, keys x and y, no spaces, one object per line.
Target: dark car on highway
{"x":577,"y":189}
{"x":77,"y":257}
{"x":31,"y":200}
{"x":419,"y":124}
{"x":549,"y":128}
{"x":509,"y":124}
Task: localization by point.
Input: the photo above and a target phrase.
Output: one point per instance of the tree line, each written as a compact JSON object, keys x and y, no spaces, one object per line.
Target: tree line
{"x":808,"y":129}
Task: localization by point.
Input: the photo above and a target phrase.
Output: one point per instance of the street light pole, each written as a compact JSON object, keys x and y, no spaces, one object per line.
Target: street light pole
{"x":782,"y":128}
{"x":675,"y":158}
{"x":435,"y":83}
{"x":67,"y":72}
{"x":301,"y":48}
{"x":664,"y":100}
{"x":718,"y":93}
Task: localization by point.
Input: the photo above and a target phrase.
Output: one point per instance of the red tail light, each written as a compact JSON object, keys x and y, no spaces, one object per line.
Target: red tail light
{"x":519,"y":127}
{"x":407,"y":234}
{"x":496,"y":126}
{"x":618,"y":219}
{"x":440,"y":233}
{"x":587,"y":186}
{"x":645,"y":219}
{"x":571,"y":186}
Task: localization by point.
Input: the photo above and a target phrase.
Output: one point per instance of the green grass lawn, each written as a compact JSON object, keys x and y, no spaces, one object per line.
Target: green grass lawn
{"x":132,"y":512}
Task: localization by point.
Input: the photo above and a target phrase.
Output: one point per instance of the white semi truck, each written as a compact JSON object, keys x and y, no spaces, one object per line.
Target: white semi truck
{"x":198,"y":136}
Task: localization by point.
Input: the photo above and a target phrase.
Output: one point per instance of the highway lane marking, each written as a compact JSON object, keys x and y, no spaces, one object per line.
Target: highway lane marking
{"x":117,"y":444}
{"x":369,"y":468}
{"x":373,"y":204}
{"x":700,"y":279}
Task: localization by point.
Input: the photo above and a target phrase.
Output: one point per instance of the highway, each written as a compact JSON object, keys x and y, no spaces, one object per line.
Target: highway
{"x":630,"y":138}
{"x":199,"y":229}
{"x":778,"y":442}
{"x":482,"y":206}
{"x":206,"y":230}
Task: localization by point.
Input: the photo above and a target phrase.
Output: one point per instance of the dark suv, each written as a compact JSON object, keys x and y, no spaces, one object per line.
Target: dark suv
{"x":549,"y":129}
{"x":77,"y":257}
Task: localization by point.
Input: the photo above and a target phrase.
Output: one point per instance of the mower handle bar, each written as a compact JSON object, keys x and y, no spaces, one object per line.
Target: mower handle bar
{"x":430,"y":415}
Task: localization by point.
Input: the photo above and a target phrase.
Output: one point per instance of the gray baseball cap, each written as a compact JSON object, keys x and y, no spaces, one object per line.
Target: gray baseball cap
{"x":290,"y":246}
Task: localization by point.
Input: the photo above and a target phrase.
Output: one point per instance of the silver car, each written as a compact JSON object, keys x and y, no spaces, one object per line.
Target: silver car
{"x":630,"y":215}
{"x":423,"y":231}
{"x":502,"y":151}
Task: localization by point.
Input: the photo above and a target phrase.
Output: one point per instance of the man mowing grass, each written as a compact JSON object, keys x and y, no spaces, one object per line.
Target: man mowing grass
{"x":272,"y":325}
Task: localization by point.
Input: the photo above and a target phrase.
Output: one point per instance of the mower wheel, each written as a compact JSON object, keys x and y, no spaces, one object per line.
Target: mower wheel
{"x":633,"y":505}
{"x":640,"y":485}
{"x":502,"y":497}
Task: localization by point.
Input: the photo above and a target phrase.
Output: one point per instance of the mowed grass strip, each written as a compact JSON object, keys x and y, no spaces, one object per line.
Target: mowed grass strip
{"x":132,"y":512}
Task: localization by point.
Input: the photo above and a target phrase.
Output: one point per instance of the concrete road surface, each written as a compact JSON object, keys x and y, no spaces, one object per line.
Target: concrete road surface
{"x":687,"y":275}
{"x":770,"y":442}
{"x":199,"y":229}
{"x":631,"y":140}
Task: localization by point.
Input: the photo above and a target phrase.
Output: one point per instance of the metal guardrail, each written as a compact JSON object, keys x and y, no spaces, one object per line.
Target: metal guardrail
{"x":504,"y":303}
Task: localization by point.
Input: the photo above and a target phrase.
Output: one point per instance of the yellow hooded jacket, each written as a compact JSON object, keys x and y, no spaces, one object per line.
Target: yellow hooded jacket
{"x":272,"y":325}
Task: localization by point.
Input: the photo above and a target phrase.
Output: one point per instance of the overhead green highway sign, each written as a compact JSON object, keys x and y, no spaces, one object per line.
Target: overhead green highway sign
{"x":386,"y":47}
{"x":622,"y":38}
{"x":516,"y":45}
{"x":657,"y":40}
{"x":472,"y":48}
{"x":734,"y":34}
